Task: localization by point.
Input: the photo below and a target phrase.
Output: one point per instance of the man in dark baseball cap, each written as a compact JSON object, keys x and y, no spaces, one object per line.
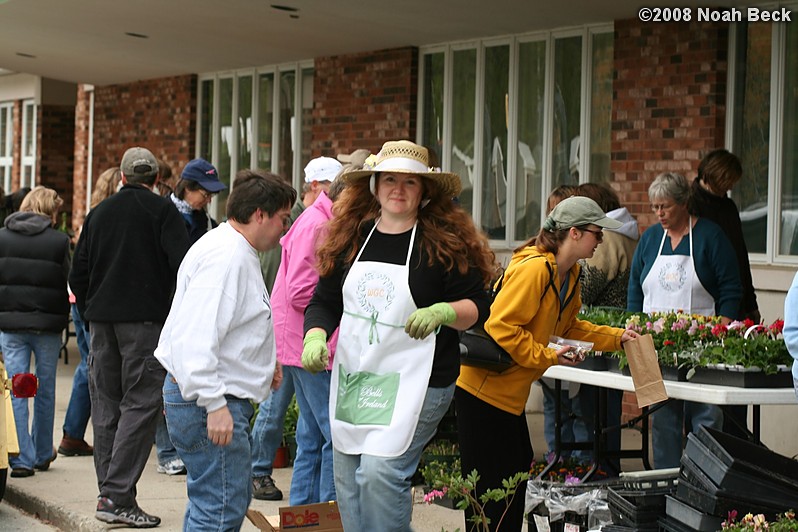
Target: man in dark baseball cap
{"x":139,"y":163}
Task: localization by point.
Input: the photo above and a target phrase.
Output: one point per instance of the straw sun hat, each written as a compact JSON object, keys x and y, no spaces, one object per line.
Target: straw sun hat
{"x":405,"y":157}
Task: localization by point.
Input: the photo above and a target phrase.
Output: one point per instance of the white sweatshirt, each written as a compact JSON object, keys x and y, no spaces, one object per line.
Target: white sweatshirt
{"x":218,"y":338}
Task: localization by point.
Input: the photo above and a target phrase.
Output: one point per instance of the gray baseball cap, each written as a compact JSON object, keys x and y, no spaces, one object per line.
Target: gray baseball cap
{"x":577,"y":211}
{"x":139,"y":162}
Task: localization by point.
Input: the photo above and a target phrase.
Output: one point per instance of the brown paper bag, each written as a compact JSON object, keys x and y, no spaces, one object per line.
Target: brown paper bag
{"x":646,"y":374}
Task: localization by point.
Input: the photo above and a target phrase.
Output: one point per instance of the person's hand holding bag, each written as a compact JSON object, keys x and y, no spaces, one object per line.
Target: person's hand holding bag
{"x":425,"y":320}
{"x":315,"y":355}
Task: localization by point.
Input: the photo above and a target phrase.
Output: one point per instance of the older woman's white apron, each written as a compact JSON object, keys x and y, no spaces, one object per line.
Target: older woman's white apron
{"x":380,"y":375}
{"x":672,"y":284}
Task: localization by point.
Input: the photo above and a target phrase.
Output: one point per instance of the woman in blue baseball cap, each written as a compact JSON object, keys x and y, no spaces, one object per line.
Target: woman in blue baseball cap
{"x":198,"y":184}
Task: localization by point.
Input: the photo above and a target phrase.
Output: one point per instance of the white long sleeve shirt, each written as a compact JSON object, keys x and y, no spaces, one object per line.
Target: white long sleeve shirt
{"x":218,"y":338}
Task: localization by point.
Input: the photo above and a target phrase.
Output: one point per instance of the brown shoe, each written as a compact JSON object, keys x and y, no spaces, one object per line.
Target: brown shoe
{"x":44,"y":466}
{"x":75,"y":447}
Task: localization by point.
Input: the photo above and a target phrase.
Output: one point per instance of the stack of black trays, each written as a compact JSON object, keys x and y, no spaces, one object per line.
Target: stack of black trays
{"x":636,"y":509}
{"x":720,"y":473}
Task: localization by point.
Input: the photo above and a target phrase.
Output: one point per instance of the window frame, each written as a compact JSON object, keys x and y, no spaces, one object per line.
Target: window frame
{"x":299,"y":70}
{"x":28,"y":160}
{"x":7,"y":161}
{"x":772,"y":255}
{"x":586,"y":32}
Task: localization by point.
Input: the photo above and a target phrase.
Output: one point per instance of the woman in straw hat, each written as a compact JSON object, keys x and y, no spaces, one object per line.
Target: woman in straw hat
{"x":540,"y":297}
{"x":403,"y":269}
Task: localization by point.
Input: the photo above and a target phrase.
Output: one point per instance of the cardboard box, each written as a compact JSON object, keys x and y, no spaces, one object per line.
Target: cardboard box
{"x":320,"y":517}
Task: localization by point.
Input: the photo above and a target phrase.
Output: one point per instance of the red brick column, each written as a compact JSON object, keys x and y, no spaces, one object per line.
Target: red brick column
{"x":363,"y":100}
{"x":80,"y":172}
{"x":669,"y":106}
{"x":56,"y":150}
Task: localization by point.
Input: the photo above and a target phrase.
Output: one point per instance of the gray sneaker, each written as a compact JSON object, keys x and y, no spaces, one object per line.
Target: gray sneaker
{"x":263,"y":489}
{"x":173,"y":467}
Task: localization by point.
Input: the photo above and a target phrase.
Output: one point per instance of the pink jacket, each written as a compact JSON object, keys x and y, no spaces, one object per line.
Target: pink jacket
{"x":296,"y":280}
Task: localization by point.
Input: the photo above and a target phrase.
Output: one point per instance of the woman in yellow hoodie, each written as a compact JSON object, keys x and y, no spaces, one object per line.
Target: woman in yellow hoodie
{"x":539,"y":298}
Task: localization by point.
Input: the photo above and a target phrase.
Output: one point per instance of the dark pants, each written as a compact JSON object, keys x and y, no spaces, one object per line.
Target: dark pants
{"x":496,"y":444}
{"x":125,"y":381}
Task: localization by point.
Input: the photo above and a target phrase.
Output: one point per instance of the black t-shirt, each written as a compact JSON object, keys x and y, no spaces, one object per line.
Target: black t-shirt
{"x":428,"y":285}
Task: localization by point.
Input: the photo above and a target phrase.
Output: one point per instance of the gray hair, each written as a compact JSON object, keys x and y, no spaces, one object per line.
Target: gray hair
{"x":670,"y":185}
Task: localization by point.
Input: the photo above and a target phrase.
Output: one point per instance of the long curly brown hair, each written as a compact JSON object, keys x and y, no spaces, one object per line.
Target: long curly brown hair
{"x":448,"y":234}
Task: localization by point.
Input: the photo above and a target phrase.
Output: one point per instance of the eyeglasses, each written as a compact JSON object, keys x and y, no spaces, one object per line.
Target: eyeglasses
{"x":205,"y":194}
{"x":656,"y":207}
{"x":598,"y":234}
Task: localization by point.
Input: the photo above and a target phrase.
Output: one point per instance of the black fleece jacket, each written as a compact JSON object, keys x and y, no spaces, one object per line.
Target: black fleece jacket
{"x":126,"y":260}
{"x":34,"y":262}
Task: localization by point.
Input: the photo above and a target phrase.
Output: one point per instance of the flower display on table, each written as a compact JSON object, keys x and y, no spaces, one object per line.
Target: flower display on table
{"x":785,"y":522}
{"x":684,"y":340}
{"x":568,"y":471}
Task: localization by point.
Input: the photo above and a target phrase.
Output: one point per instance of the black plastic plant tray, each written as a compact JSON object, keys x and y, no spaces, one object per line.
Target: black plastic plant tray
{"x":669,"y":524}
{"x":689,"y":516}
{"x":719,"y":505}
{"x":625,"y":514}
{"x":747,"y":457}
{"x":638,"y":499}
{"x":595,"y":363}
{"x":674,"y":373}
{"x":752,"y":487}
{"x":742,"y":379}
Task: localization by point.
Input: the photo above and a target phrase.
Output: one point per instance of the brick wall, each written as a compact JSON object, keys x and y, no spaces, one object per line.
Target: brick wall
{"x":363,"y":100}
{"x":81,"y":156}
{"x":669,"y":105}
{"x":55,"y":150}
{"x":159,"y":115}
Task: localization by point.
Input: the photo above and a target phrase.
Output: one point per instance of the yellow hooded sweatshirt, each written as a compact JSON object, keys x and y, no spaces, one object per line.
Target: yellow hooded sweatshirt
{"x":524,"y":314}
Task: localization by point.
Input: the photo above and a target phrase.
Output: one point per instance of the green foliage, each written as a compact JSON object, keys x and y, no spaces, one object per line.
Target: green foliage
{"x":450,"y":482}
{"x":291,"y":420}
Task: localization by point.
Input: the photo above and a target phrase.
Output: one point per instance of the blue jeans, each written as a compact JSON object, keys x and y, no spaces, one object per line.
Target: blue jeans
{"x":79,"y":408}
{"x":267,"y":433}
{"x":164,"y":449}
{"x":574,"y":428}
{"x":667,"y":428}
{"x":374,"y":491}
{"x":218,"y":482}
{"x":36,"y":445}
{"x":312,"y":479}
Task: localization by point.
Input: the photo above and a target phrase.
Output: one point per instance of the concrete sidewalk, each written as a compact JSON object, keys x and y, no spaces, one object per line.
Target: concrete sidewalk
{"x":66,"y":494}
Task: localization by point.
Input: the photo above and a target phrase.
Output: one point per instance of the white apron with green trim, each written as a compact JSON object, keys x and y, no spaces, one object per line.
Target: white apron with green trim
{"x":380,"y":375}
{"x":673,"y":285}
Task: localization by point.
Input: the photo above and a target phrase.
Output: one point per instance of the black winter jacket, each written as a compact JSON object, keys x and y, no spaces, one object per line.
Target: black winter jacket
{"x":34,"y":264}
{"x":126,"y":260}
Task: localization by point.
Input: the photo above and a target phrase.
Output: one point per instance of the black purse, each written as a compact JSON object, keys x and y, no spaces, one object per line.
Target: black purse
{"x":479,"y":349}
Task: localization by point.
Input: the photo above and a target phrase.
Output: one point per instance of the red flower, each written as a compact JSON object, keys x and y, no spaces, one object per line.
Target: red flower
{"x":748,"y":323}
{"x":777,"y":327}
{"x":719,"y":330}
{"x":668,"y":342}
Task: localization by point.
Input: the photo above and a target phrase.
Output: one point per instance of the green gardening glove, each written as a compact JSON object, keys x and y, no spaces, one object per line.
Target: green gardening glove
{"x":425,"y":320}
{"x":315,"y":355}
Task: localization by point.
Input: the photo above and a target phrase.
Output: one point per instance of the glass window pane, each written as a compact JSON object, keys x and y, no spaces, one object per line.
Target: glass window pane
{"x":789,"y":168}
{"x":244,"y":122}
{"x":432,"y":121}
{"x":225,"y":129}
{"x":601,"y":108}
{"x":567,"y":111}
{"x":265,"y":116}
{"x":30,"y":130}
{"x":5,"y":131}
{"x":307,"y":116}
{"x":531,"y":86}
{"x":494,"y":170}
{"x":464,"y":86}
{"x":752,"y":130}
{"x":285,"y":160}
{"x":206,"y":125}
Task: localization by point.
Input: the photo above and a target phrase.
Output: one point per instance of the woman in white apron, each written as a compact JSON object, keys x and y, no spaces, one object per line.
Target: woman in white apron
{"x":402,"y":270}
{"x":683,"y":263}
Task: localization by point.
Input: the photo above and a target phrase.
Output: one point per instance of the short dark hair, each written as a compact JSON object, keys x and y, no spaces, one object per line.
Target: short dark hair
{"x":602,"y":194}
{"x":186,"y":184}
{"x":257,"y":189}
{"x":720,"y":169}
